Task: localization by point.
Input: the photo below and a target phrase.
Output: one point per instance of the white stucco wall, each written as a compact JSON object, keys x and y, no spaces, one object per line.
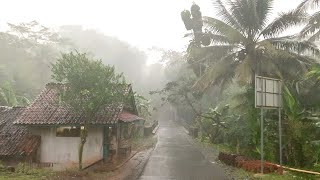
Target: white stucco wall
{"x":62,"y":152}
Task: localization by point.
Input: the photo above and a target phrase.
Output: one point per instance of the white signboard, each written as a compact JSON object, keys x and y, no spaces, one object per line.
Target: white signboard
{"x":268,"y":92}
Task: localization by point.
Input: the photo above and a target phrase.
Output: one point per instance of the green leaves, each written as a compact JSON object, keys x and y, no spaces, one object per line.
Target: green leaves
{"x":312,"y":29}
{"x":291,"y":106}
{"x":143,"y":106}
{"x":308,"y":4}
{"x":220,"y":27}
{"x":8,"y":97}
{"x":225,"y":14}
{"x":90,"y":85}
{"x":283,"y":22}
{"x":314,"y":74}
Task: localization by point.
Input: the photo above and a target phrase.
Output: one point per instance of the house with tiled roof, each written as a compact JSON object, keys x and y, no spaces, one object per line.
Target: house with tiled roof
{"x":59,"y":128}
{"x":16,"y":142}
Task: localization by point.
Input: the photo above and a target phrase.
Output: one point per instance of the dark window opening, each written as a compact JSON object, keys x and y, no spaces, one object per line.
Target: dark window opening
{"x":68,"y":132}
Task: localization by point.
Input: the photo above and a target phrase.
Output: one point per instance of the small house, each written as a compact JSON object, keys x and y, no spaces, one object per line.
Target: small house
{"x":59,"y":128}
{"x":17,"y":144}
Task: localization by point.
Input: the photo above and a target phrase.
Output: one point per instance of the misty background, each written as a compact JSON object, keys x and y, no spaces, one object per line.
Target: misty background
{"x":143,"y":39}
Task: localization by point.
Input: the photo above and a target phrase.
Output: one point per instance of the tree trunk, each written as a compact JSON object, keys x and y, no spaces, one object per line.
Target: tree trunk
{"x":238,"y":145}
{"x":83,"y":139}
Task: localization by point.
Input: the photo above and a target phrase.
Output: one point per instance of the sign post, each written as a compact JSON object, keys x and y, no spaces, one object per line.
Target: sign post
{"x":268,"y":95}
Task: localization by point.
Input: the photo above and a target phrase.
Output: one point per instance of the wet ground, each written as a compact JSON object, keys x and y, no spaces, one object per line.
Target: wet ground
{"x":174,"y":157}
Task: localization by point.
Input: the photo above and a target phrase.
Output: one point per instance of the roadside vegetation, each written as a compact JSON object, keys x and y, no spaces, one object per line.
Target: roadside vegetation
{"x":24,"y":172}
{"x":213,"y":91}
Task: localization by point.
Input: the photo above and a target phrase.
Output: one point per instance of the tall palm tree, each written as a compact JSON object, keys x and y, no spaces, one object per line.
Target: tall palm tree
{"x":243,"y":43}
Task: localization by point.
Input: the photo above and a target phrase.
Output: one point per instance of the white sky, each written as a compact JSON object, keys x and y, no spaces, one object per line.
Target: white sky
{"x":142,"y":23}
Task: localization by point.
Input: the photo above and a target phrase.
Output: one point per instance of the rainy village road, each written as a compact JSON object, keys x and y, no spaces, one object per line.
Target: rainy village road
{"x":175,"y":158}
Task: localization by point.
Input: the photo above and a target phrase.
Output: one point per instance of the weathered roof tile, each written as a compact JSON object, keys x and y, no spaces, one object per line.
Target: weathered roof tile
{"x":45,"y":110}
{"x":126,"y":116}
{"x":16,"y":140}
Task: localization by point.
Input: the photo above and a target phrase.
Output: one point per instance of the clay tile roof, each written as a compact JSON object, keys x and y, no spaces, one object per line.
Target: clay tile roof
{"x":3,"y":109}
{"x":15,"y":140}
{"x":126,"y":116}
{"x":45,"y":110}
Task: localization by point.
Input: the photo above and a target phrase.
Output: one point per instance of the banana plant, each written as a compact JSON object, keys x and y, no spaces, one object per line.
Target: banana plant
{"x":298,"y":128}
{"x":143,"y":106}
{"x":9,"y":98}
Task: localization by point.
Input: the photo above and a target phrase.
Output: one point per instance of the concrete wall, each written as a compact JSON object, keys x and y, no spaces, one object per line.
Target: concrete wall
{"x":62,"y":152}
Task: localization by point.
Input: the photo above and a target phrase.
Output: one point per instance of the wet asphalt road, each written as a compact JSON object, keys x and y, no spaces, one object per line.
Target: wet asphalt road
{"x":174,"y":157}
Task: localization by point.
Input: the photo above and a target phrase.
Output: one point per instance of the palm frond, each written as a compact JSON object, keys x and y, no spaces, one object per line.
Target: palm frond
{"x":271,"y":68}
{"x":208,"y":54}
{"x":23,"y":100}
{"x":246,"y":14}
{"x":225,"y":68}
{"x":217,"y":26}
{"x":314,"y":37}
{"x":305,"y":59}
{"x":283,"y":22}
{"x":215,"y":52}
{"x":264,"y":8}
{"x":188,"y":35}
{"x":251,"y":15}
{"x":312,"y":27}
{"x":3,"y":98}
{"x":216,"y":38}
{"x":286,"y":66}
{"x":226,"y":16}
{"x":274,"y":53}
{"x":283,"y":63}
{"x":294,"y":45}
{"x":308,"y":4}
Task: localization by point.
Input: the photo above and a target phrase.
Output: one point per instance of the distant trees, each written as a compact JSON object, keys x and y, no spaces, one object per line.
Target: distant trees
{"x":111,"y":50}
{"x":27,"y":49}
{"x":90,"y":86}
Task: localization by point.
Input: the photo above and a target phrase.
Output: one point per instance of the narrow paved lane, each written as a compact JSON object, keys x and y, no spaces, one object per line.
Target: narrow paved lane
{"x":175,"y":158}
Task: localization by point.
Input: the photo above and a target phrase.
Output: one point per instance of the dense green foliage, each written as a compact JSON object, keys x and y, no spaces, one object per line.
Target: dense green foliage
{"x":90,"y":83}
